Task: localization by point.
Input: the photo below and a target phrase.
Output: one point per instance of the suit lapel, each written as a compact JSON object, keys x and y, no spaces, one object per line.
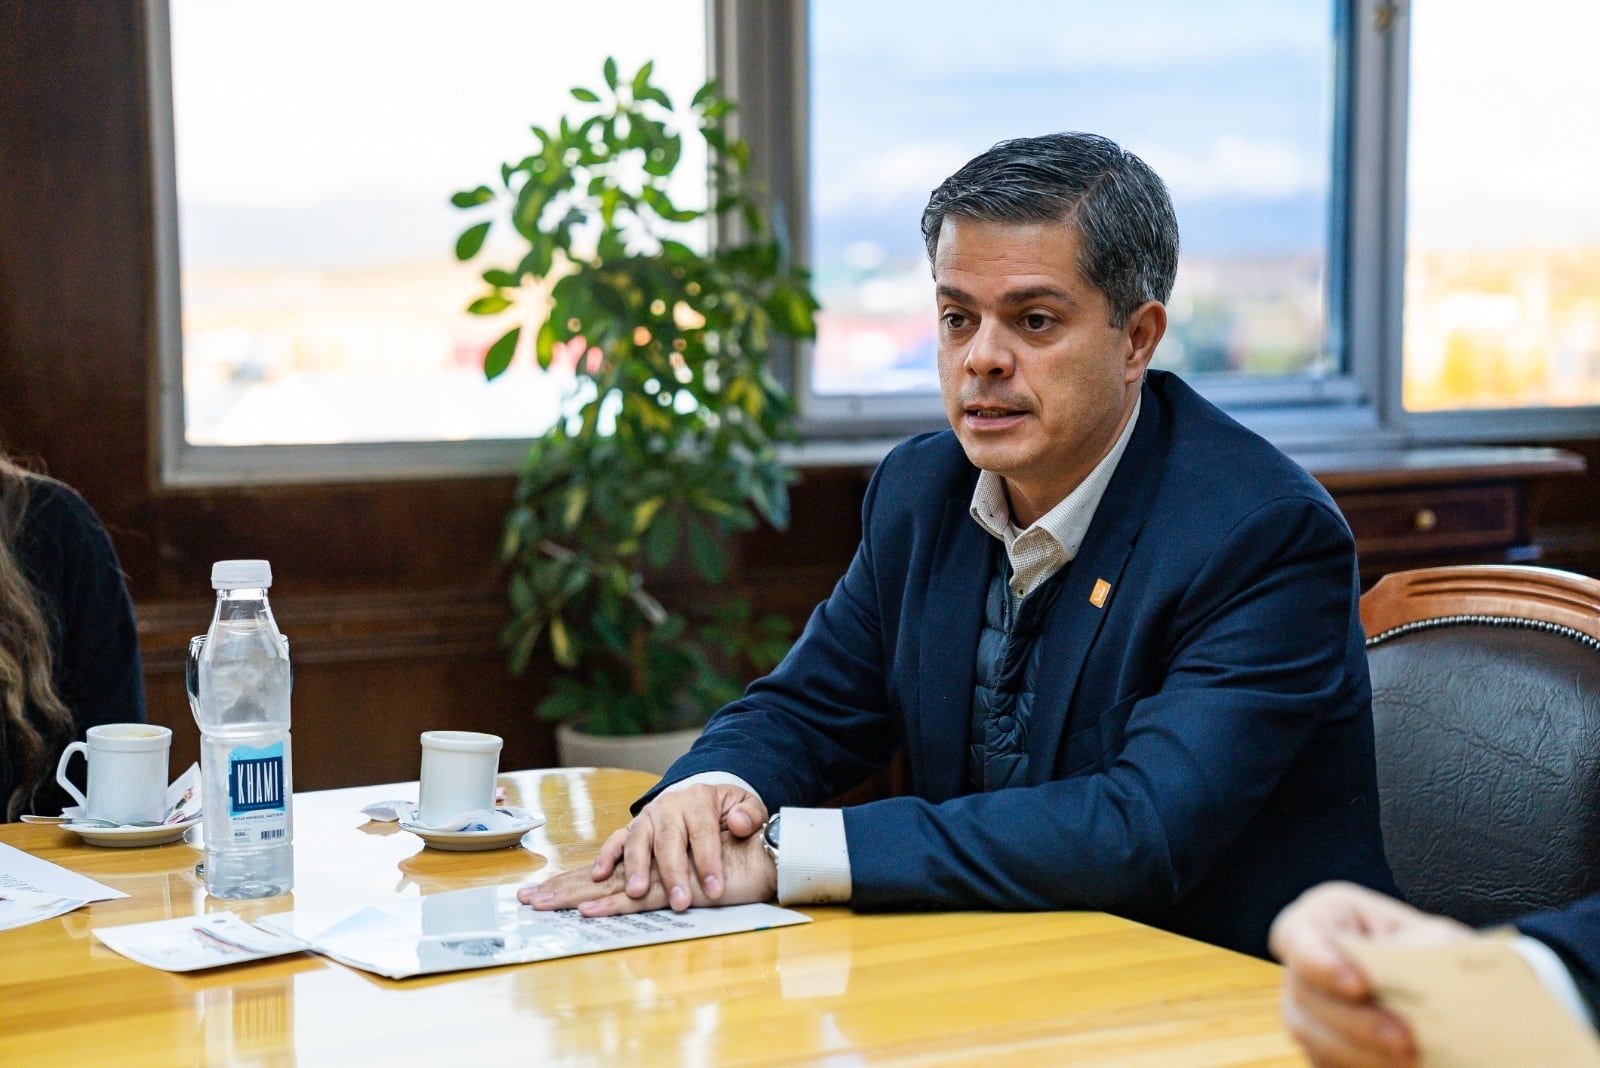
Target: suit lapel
{"x":1093,"y":583}
{"x":951,"y":621}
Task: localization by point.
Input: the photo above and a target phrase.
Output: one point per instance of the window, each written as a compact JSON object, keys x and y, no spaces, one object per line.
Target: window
{"x":1233,"y":103}
{"x":1414,"y":252}
{"x":1388,"y":210}
{"x":316,"y":148}
{"x":1502,"y":257}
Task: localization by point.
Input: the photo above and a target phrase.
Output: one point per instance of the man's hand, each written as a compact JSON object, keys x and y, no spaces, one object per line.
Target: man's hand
{"x":751,"y":876}
{"x":679,"y":835}
{"x":1327,"y":999}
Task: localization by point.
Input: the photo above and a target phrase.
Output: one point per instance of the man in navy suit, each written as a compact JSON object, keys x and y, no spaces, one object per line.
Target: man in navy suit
{"x":1114,"y":632}
{"x":1328,"y":1001}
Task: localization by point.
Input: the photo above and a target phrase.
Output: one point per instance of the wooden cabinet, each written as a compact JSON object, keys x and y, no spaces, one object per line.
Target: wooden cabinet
{"x":1425,"y":507}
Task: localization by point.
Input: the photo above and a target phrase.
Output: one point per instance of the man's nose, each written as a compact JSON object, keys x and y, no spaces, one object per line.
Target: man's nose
{"x":990,"y":355}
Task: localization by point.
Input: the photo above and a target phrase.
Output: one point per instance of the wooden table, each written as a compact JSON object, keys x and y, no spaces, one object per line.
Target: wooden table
{"x":923,"y":989}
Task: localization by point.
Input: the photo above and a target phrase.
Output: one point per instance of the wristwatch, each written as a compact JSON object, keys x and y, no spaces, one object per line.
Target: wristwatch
{"x":769,"y":836}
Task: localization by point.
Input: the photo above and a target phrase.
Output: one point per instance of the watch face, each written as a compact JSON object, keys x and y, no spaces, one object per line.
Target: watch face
{"x":771,"y":830}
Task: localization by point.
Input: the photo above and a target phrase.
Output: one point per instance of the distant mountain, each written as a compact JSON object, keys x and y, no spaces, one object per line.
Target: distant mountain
{"x":1227,"y":226}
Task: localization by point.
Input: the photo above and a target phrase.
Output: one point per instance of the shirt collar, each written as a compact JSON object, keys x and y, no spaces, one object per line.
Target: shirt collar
{"x":1068,"y":522}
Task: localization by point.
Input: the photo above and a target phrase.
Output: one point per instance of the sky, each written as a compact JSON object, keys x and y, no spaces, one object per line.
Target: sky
{"x":1229,"y":101}
{"x":401,"y":102}
{"x":398,"y":103}
{"x":1484,"y":165}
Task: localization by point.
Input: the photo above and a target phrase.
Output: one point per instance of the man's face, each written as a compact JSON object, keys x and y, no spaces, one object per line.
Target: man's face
{"x":1036,"y":382}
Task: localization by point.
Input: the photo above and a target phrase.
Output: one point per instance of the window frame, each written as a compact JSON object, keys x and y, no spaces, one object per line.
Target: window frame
{"x":1297,"y":412}
{"x":184,"y":465}
{"x":1459,"y":426}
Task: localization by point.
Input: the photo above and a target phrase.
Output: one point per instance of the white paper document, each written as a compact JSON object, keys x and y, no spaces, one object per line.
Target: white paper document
{"x":26,"y":872}
{"x":21,"y":907}
{"x":191,"y":943}
{"x":486,"y":926}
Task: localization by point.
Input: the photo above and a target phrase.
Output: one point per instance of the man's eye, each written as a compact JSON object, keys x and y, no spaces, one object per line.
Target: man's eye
{"x":954,"y":320}
{"x":1036,"y":321}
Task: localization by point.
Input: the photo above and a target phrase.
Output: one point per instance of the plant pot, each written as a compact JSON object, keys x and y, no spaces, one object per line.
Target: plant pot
{"x":641,"y":752}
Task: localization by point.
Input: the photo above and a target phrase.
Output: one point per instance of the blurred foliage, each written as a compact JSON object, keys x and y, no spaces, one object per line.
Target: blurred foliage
{"x":668,"y":443}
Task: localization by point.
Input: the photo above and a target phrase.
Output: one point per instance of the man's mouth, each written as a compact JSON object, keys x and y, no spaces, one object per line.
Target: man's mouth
{"x":992,"y":410}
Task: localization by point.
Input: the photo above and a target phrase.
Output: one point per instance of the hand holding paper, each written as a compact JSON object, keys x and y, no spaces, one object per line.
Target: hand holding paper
{"x":1373,"y":981}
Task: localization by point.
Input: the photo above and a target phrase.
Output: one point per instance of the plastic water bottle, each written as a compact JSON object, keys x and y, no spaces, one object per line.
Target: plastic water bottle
{"x":243,"y":707}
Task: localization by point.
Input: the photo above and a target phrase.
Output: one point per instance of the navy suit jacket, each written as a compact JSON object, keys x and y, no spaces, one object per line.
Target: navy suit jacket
{"x":1574,"y":933}
{"x":1200,"y":748}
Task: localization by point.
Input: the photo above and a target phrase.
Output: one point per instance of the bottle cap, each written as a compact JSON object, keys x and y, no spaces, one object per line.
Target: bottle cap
{"x":241,"y":575}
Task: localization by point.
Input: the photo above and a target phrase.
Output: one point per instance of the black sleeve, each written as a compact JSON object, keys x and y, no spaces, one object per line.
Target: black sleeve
{"x":1574,"y":934}
{"x":69,"y":559}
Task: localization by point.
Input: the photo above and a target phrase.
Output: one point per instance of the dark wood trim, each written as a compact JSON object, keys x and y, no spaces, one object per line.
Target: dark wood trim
{"x":1366,"y":469}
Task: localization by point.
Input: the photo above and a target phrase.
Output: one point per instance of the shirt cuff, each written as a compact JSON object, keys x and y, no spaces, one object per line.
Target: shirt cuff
{"x":813,"y":862}
{"x":714,"y":778}
{"x":1541,"y":958}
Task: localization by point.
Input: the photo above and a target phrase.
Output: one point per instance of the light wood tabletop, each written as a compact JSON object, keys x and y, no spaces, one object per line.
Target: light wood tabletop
{"x":907,"y":989}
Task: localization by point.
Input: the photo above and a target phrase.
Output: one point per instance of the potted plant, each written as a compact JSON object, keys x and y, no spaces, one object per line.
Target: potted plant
{"x":668,"y":441}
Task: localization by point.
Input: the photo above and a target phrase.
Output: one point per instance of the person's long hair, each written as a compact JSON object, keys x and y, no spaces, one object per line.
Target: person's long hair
{"x":35,"y":725}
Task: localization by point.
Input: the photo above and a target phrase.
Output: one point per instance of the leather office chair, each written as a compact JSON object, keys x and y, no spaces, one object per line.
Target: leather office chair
{"x":1486,"y":709}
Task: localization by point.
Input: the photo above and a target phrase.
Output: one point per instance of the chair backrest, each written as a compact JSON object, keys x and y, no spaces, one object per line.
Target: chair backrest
{"x":1486,"y":710}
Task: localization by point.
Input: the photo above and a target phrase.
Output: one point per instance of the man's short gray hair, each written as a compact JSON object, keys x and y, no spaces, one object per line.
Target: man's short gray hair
{"x":1119,"y":205}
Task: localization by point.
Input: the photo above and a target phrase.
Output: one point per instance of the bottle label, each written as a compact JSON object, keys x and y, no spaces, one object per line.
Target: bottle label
{"x":257,"y":795}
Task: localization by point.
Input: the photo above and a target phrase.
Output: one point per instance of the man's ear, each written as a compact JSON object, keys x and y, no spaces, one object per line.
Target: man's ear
{"x":1144,"y":329}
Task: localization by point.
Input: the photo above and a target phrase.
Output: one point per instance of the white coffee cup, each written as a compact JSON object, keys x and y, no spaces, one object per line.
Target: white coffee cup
{"x":127,"y":772}
{"x":458,"y":770}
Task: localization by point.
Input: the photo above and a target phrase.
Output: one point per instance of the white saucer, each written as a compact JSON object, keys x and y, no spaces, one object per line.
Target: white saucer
{"x":131,"y":837}
{"x":473,"y":841}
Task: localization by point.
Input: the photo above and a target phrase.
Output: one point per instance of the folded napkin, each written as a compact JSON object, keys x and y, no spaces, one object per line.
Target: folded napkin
{"x":183,"y":804}
{"x":185,"y":797}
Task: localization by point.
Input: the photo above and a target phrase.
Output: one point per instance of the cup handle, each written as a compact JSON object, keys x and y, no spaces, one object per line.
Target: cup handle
{"x":61,"y":772}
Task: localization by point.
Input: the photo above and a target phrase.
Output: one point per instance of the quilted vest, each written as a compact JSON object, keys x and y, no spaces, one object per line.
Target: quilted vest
{"x":1002,"y":696}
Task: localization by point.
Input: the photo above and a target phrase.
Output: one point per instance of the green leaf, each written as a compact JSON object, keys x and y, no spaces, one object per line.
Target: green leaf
{"x":501,"y":279}
{"x":662,"y":540}
{"x":645,"y":512}
{"x":544,"y":344}
{"x":661,"y":161}
{"x":610,"y":71}
{"x":704,"y":93}
{"x":561,"y":645}
{"x":577,"y":501}
{"x":498,"y":358}
{"x":540,"y":258}
{"x":706,"y":552}
{"x":522,"y":648}
{"x":791,"y":312}
{"x":490,"y":305}
{"x":471,"y":198}
{"x":653,"y":93}
{"x":471,"y":240}
{"x":521,"y":593}
{"x":610,"y":197}
{"x":574,"y":583}
{"x":588,"y":96}
{"x":641,"y":81}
